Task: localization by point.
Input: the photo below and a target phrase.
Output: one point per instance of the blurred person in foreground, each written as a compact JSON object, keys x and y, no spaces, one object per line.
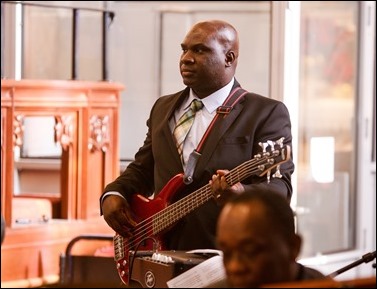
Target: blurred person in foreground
{"x":256,"y":232}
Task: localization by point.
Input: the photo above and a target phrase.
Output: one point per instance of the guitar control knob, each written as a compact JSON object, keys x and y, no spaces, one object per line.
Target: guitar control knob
{"x":162,"y":258}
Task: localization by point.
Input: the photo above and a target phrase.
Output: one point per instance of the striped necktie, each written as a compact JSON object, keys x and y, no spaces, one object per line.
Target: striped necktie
{"x":184,"y":124}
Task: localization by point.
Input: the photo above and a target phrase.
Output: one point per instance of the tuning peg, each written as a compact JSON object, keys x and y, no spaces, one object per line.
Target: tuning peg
{"x":263,"y":145}
{"x":280,"y":141}
{"x":271,"y":144}
{"x":277,"y":174}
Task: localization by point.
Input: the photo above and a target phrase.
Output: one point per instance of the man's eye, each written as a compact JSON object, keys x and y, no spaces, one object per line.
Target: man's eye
{"x":253,"y":250}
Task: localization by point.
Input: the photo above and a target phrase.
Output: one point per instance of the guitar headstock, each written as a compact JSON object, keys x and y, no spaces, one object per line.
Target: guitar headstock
{"x":274,"y":153}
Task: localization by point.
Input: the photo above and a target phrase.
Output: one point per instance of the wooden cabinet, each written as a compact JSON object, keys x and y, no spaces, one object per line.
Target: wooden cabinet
{"x":86,"y":126}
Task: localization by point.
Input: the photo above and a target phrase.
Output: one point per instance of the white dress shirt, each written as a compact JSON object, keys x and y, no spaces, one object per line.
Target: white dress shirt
{"x":202,"y":119}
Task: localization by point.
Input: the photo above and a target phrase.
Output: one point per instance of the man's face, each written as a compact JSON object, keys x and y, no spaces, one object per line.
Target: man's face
{"x":254,"y":251}
{"x":203,"y":61}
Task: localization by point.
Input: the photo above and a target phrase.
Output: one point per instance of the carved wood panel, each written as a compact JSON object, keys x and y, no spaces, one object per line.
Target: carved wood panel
{"x":86,"y":127}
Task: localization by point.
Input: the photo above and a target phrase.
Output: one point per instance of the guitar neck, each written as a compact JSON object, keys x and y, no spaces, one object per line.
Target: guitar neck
{"x":176,"y":211}
{"x":186,"y":205}
{"x":246,"y":169}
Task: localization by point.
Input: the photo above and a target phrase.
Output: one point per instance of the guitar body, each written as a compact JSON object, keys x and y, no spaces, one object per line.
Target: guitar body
{"x":143,"y":209}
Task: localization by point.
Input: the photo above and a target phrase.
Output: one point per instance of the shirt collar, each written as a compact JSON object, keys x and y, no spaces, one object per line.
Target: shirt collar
{"x":212,"y":101}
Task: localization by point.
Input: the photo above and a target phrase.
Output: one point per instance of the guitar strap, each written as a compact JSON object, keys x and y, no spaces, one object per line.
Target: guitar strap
{"x":233,"y":98}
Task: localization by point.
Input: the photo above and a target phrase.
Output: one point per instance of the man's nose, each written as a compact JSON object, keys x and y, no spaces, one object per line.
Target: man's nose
{"x":187,"y":58}
{"x":235,"y":263}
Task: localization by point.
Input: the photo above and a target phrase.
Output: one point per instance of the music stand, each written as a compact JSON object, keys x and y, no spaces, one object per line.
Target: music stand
{"x":364,"y":259}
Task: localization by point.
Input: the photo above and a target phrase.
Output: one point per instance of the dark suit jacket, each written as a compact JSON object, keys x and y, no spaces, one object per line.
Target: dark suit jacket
{"x":232,"y":141}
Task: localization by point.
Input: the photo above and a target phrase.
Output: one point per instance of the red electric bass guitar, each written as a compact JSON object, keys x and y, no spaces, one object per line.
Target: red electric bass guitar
{"x":156,"y":216}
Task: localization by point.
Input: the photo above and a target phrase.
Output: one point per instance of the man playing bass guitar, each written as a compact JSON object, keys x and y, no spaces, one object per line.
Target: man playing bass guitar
{"x":228,"y":126}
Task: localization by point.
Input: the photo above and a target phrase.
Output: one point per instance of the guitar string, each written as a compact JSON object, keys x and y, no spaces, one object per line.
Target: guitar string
{"x":143,"y":228}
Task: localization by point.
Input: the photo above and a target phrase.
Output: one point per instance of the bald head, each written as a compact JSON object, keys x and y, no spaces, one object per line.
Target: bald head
{"x":273,"y":209}
{"x":256,"y":234}
{"x":209,"y":58}
{"x":222,"y":31}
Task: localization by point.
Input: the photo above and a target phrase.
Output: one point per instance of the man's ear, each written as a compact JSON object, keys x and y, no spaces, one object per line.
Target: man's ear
{"x":230,"y":57}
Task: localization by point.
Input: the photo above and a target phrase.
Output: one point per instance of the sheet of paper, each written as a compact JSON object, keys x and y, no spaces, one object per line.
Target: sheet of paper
{"x":203,"y":274}
{"x":206,"y":251}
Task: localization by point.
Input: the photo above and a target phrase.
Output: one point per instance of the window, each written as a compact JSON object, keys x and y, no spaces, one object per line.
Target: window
{"x":327,"y":128}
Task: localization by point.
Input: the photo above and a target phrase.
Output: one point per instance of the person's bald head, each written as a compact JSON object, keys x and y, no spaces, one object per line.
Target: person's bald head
{"x":224,"y":32}
{"x":256,"y":233}
{"x":209,"y":57}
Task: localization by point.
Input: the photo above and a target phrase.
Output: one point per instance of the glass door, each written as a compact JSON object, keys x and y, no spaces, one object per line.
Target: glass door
{"x":325,"y":168}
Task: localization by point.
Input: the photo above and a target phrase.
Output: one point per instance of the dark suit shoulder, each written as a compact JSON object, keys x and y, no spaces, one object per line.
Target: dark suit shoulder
{"x":307,"y":273}
{"x":261,"y":98}
{"x":174,"y":96}
{"x":165,"y":105}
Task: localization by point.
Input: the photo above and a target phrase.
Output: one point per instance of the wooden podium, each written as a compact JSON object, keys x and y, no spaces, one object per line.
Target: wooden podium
{"x":86,"y":126}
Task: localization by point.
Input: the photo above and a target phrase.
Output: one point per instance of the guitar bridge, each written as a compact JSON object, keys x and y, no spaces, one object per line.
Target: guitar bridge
{"x":118,"y":247}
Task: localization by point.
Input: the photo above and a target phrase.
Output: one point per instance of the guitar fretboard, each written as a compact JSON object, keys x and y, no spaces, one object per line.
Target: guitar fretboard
{"x":186,"y":205}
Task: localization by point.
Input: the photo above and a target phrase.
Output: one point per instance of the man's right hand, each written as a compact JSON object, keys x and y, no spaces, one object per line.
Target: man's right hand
{"x":117,"y":214}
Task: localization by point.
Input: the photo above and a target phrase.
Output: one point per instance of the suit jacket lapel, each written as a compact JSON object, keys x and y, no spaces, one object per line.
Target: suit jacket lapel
{"x":221,"y":125}
{"x":175,"y":102}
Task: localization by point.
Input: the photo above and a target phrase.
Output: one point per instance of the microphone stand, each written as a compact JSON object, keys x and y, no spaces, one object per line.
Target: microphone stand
{"x":364,"y":259}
